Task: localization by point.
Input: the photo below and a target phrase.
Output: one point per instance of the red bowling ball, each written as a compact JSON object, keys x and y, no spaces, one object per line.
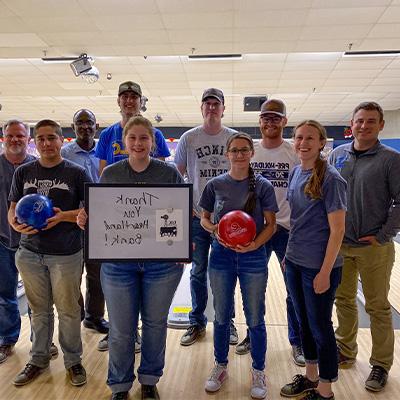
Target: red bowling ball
{"x":237,"y":228}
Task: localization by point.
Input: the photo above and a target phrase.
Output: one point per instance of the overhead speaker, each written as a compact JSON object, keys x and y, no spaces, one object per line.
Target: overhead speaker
{"x":253,"y":103}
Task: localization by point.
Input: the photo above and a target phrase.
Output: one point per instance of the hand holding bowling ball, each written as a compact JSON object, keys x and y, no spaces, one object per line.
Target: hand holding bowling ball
{"x":34,"y":210}
{"x":237,"y":228}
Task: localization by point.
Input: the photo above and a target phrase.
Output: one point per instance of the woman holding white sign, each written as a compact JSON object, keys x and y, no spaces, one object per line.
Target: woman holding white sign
{"x":239,"y":189}
{"x":130,"y":287}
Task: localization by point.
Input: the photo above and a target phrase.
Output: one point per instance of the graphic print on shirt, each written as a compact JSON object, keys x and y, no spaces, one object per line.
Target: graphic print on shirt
{"x":276,"y":172}
{"x":340,"y":160}
{"x":118,"y":149}
{"x":44,"y":186}
{"x":211,"y":160}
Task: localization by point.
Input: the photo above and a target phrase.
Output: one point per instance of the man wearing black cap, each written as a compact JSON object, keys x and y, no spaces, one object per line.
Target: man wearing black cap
{"x":201,"y":155}
{"x":274,"y":158}
{"x":110,"y":147}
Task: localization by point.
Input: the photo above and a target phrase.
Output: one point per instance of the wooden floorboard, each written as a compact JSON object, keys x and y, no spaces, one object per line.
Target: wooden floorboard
{"x":187,"y":367}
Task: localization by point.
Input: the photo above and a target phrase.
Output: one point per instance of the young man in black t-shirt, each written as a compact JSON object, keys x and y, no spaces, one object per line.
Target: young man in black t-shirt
{"x":50,"y":260}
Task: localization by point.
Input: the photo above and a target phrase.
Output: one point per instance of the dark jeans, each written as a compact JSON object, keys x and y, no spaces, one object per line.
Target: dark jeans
{"x":198,"y":274}
{"x":314,"y":313}
{"x":10,"y":320}
{"x":94,"y":298}
{"x":278,"y":243}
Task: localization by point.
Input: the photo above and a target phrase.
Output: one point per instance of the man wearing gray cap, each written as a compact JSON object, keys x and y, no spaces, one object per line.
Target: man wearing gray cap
{"x":274,"y":158}
{"x":200,"y":155}
{"x":110,"y":147}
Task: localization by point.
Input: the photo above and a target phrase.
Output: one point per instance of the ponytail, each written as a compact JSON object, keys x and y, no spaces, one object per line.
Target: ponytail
{"x":313,"y":187}
{"x":251,"y":201}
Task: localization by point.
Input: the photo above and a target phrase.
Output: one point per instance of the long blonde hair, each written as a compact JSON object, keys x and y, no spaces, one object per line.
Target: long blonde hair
{"x":313,"y":187}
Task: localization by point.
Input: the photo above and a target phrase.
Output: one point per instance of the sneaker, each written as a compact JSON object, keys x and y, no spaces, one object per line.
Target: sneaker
{"x":244,"y":346}
{"x":77,"y":375}
{"x":377,"y":379}
{"x":150,"y":392}
{"x":314,"y":395}
{"x":298,"y":356}
{"x":217,"y":377}
{"x":300,"y":384}
{"x":258,"y":386}
{"x":193,"y":333}
{"x":103,"y":345}
{"x":138,"y":343}
{"x":28,"y":374}
{"x":5,"y":351}
{"x":233,"y":335}
{"x":119,"y":396}
{"x":100,"y":325}
{"x":344,"y":361}
{"x":53,"y":350}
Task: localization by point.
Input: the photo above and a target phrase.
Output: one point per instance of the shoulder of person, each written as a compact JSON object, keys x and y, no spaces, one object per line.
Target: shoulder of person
{"x":332,"y":174}
{"x":110,"y":129}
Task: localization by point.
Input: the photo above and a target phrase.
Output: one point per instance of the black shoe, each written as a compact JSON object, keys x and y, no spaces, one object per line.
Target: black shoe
{"x":193,"y":333}
{"x":300,"y":384}
{"x":377,"y":379}
{"x":150,"y":392}
{"x":314,"y":395}
{"x":77,"y":375}
{"x":99,"y":325}
{"x":53,"y":350}
{"x":5,"y":351}
{"x":119,"y":396}
{"x":28,"y":374}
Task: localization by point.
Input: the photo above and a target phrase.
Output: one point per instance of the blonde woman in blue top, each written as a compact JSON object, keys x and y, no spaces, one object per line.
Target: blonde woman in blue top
{"x":317,"y":200}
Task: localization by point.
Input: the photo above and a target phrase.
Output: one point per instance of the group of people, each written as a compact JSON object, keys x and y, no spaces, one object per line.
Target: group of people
{"x":328,"y":221}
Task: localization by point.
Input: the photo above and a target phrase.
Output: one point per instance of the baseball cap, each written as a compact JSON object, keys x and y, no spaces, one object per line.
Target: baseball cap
{"x":213,"y":92}
{"x":129,"y":86}
{"x":273,"y":106}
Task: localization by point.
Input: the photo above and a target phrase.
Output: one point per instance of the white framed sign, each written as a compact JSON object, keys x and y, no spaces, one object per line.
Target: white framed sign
{"x":138,"y":222}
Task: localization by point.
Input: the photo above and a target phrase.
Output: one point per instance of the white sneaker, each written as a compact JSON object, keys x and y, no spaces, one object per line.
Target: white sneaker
{"x":258,"y":385}
{"x":217,"y":377}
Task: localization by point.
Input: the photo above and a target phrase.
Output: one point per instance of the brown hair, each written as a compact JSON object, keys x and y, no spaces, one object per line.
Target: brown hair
{"x":16,"y":122}
{"x":251,"y":201}
{"x":369,"y":106}
{"x":48,"y":122}
{"x":313,"y":187}
{"x":140,"y":121}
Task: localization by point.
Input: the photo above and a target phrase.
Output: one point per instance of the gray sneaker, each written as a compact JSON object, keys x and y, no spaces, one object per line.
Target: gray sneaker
{"x":103,"y":344}
{"x":192,"y":334}
{"x":244,"y":346}
{"x":258,"y":385}
{"x":377,"y":379}
{"x":28,"y":374}
{"x":233,"y":335}
{"x":217,"y":377}
{"x":77,"y":375}
{"x":298,"y":356}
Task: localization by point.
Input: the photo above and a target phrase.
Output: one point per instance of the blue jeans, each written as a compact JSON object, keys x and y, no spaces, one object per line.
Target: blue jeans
{"x":226,"y":267}
{"x":10,"y":320}
{"x":128,"y":288}
{"x":278,"y":243}
{"x":48,"y":280}
{"x":314,"y":312}
{"x":198,"y":274}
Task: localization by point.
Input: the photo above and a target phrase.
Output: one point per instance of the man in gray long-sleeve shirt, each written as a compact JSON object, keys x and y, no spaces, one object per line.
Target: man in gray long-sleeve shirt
{"x":372,"y":220}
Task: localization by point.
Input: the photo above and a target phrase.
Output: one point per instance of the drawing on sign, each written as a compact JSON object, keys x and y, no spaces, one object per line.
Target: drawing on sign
{"x":169,"y":225}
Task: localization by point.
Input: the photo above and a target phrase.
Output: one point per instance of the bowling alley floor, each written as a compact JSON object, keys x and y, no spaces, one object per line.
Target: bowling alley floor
{"x":187,"y":367}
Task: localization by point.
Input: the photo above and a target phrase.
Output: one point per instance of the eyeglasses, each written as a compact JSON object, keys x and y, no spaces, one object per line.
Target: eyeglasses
{"x":245,"y":151}
{"x":271,"y":120}
{"x":87,"y":123}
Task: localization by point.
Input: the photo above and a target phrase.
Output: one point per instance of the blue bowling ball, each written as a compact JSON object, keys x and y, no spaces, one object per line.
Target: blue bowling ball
{"x":34,"y":210}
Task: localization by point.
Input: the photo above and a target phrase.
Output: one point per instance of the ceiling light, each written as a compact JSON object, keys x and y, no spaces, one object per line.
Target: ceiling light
{"x":372,"y":53}
{"x":215,"y":57}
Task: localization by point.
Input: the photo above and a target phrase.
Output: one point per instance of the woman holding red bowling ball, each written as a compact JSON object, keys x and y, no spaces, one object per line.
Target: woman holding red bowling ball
{"x":239,"y":189}
{"x":317,"y":199}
